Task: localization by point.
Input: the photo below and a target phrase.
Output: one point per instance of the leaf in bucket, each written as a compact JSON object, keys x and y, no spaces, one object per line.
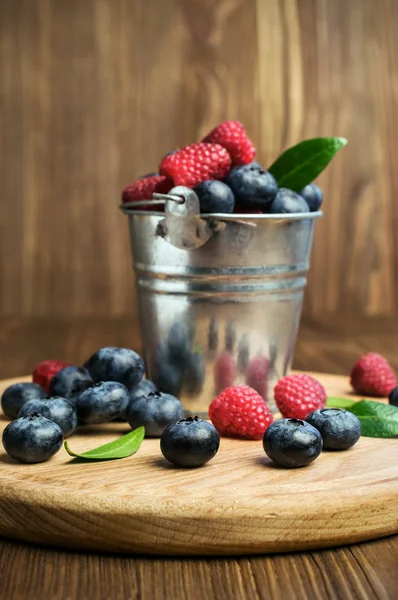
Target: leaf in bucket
{"x":377,"y":419}
{"x":345,"y":403}
{"x":301,"y":164}
{"x":120,"y":448}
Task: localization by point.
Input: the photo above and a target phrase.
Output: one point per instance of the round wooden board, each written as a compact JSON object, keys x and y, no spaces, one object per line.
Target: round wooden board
{"x":237,"y":504}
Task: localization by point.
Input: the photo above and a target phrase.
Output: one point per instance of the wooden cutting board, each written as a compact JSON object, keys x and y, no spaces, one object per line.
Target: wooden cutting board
{"x":237,"y":504}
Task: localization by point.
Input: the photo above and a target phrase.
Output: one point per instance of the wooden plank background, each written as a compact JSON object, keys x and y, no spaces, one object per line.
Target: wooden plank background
{"x":93,"y":92}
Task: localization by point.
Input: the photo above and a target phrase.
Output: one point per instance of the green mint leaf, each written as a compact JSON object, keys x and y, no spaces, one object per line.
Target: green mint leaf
{"x":340,"y":402}
{"x":121,"y":448}
{"x":377,"y":419}
{"x":301,"y":164}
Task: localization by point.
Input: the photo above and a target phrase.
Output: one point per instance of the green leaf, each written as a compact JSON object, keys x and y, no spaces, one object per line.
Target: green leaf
{"x":121,"y":448}
{"x":301,"y":164}
{"x":377,"y":419}
{"x":340,"y":402}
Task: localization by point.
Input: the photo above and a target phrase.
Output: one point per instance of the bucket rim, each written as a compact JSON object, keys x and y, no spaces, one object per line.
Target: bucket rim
{"x":129,"y":211}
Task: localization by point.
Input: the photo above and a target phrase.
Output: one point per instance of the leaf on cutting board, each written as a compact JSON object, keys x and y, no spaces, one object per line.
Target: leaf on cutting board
{"x":377,"y":419}
{"x":122,"y":447}
{"x":301,"y":164}
{"x":344,"y":403}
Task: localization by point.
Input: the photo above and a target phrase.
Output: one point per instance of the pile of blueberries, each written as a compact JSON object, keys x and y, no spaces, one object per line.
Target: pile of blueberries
{"x":250,"y":188}
{"x":110,"y":386}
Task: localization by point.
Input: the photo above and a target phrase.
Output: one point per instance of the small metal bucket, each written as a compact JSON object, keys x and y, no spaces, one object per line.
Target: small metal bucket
{"x":219,"y":296}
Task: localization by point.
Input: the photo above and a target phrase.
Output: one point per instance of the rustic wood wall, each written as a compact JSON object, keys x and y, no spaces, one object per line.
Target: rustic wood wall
{"x":93,"y":92}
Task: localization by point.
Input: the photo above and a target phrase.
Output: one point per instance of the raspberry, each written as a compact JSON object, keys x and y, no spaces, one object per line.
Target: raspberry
{"x":233,"y":137}
{"x":240,"y":411}
{"x":372,"y":375}
{"x":257,"y":375}
{"x":144,"y":188}
{"x":225,"y":370}
{"x":195,"y":163}
{"x":45,"y":371}
{"x":298,"y":395}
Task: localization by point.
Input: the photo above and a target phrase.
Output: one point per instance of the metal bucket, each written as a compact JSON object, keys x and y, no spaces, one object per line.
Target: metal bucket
{"x":219,"y":296}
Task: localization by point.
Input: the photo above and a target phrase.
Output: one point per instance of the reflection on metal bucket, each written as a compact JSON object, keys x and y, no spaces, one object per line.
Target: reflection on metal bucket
{"x":219,"y":297}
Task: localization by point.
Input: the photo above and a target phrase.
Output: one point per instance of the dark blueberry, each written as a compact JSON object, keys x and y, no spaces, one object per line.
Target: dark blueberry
{"x":292,"y":443}
{"x":60,"y":410}
{"x":393,"y":397}
{"x":230,"y":336}
{"x":167,"y":373}
{"x":154,"y":411}
{"x":148,"y":175}
{"x":243,"y":353}
{"x":178,"y":342}
{"x":339,"y":429}
{"x":141,"y":389}
{"x":213,"y":334}
{"x":190,"y":442}
{"x":32,"y":439}
{"x":116,"y":364}
{"x":16,"y":395}
{"x":287,"y":201}
{"x":253,"y":186}
{"x":215,"y":197}
{"x":70,"y":382}
{"x":169,"y":154}
{"x":101,"y":403}
{"x":255,"y":163}
{"x":313,"y":195}
{"x":194,"y":374}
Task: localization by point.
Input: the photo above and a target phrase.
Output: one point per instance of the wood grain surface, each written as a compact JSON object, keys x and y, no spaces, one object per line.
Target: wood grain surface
{"x":357,"y":572}
{"x":93,"y":93}
{"x":144,"y":505}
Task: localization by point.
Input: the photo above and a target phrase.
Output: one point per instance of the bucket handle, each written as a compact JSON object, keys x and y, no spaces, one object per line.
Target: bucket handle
{"x":128,"y":207}
{"x":183,"y":225}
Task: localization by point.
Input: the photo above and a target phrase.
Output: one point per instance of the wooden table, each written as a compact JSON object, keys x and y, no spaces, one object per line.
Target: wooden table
{"x":362,"y":571}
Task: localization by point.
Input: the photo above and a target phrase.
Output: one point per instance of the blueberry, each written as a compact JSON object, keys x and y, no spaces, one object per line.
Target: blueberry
{"x":190,"y":442}
{"x":287,"y":201}
{"x":169,"y":154}
{"x":167,"y":373}
{"x":253,"y":186}
{"x":215,"y":197}
{"x":16,"y":395}
{"x":70,"y":382}
{"x":392,"y":398}
{"x":194,"y":374}
{"x":145,"y":386}
{"x":178,"y":342}
{"x":116,"y":364}
{"x":60,"y":410}
{"x":32,"y":439}
{"x":339,"y":429}
{"x":292,"y":443}
{"x":102,"y":403}
{"x":213,"y":334}
{"x":313,"y":195}
{"x":243,"y":353}
{"x":141,"y":389}
{"x":148,"y":175}
{"x":154,"y":411}
{"x":230,"y":336}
